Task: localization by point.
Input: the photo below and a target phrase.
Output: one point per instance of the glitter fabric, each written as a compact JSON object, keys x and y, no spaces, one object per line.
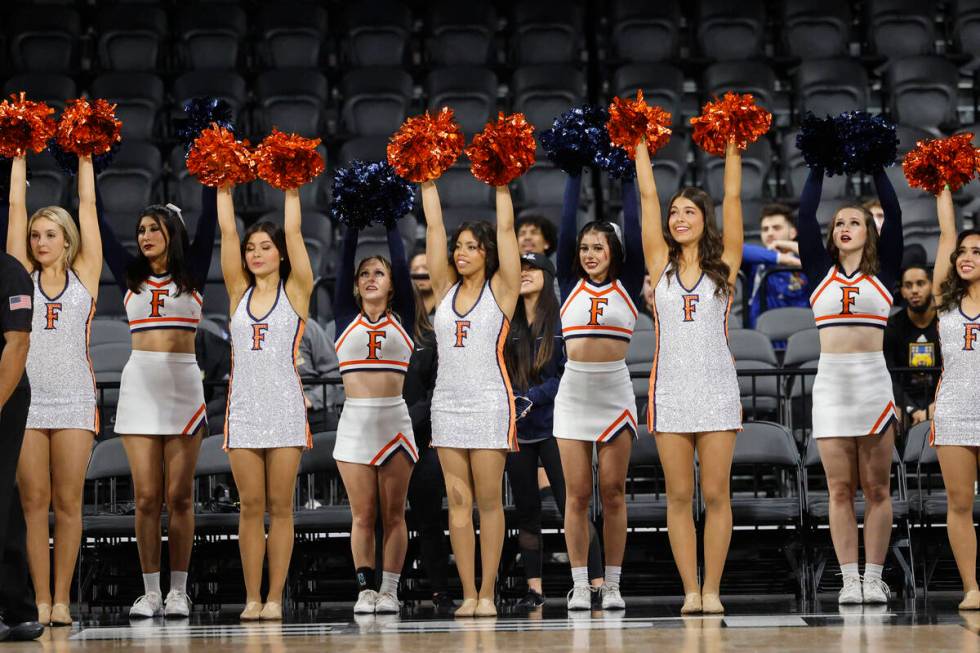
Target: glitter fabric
{"x":472,"y":404}
{"x":266,"y":408}
{"x":693,"y":387}
{"x":957,"y":418}
{"x":62,"y":381}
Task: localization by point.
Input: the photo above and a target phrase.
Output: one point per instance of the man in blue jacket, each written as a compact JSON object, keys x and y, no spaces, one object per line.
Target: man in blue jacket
{"x":779,"y":249}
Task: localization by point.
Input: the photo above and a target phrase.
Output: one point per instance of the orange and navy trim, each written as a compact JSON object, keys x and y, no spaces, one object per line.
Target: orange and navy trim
{"x":297,"y":337}
{"x":97,"y":422}
{"x":887,"y":417}
{"x":396,"y":444}
{"x":505,"y":377}
{"x":598,"y":330}
{"x":851,"y":319}
{"x":197,"y":420}
{"x":625,"y":422}
{"x":652,"y":392}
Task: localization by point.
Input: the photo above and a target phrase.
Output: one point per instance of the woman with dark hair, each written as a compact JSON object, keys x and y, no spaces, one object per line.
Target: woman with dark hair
{"x":375,"y":448}
{"x":854,"y":415}
{"x":64,"y":263}
{"x":161,"y":414}
{"x":473,"y":420}
{"x":535,"y":356}
{"x":269,"y":280}
{"x":693,"y":270}
{"x":956,"y":422}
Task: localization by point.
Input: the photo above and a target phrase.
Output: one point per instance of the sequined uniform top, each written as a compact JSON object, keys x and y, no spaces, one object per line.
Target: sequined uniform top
{"x":158,"y":305}
{"x":265,"y":396}
{"x":957,"y":417}
{"x":58,"y":364}
{"x":693,"y":386}
{"x":473,"y":403}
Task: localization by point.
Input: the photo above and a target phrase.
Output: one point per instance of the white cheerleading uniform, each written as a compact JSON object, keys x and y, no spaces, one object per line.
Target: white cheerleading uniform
{"x":693,"y":384}
{"x":63,"y":392}
{"x":372,"y":430}
{"x":852,"y":393}
{"x":957,"y":417}
{"x":161,"y":393}
{"x":473,"y":403}
{"x":595,"y":401}
{"x":266,"y":408}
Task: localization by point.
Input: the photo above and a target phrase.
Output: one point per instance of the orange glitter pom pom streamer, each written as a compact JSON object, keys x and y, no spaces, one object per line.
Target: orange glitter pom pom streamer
{"x":503,"y":151}
{"x":288,"y":161}
{"x":425,"y":146}
{"x":218,"y":160}
{"x":631,"y":119}
{"x":88,"y":128}
{"x":935,"y":163}
{"x":24,"y":126}
{"x":733,"y":118}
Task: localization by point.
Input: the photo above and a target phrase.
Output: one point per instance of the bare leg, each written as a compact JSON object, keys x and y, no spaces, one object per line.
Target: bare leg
{"x":874,"y":465}
{"x":393,"y":478}
{"x":281,"y":465}
{"x":361,"y":483}
{"x":677,"y":458}
{"x":614,"y":460}
{"x":715,"y":452}
{"x":840,"y":463}
{"x":248,"y":467}
{"x":488,"y":473}
{"x":180,"y":458}
{"x":959,"y":465}
{"x":70,"y":453}
{"x":459,"y":490}
{"x":576,"y":464}
{"x":145,"y":454}
{"x":34,"y":484}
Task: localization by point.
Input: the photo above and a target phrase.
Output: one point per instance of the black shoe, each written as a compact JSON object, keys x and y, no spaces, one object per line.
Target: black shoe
{"x":4,"y":630}
{"x":531,"y":600}
{"x":25,"y":631}
{"x":443,"y":602}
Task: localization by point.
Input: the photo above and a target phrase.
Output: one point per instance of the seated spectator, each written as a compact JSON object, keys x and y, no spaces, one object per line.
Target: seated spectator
{"x":536,"y":233}
{"x":420,"y":277}
{"x":318,"y":358}
{"x":874,"y":206}
{"x":912,"y":340}
{"x":779,"y":249}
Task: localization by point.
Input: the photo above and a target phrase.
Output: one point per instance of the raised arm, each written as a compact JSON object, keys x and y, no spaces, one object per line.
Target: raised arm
{"x":654,"y":245}
{"x":202,"y":247}
{"x":404,"y":299}
{"x":891,"y":243}
{"x":344,"y":306}
{"x":947,"y":240}
{"x":567,"y":232}
{"x":17,"y":216}
{"x":231,"y":253}
{"x":441,"y":274}
{"x":635,"y":269}
{"x":116,"y":256}
{"x":88,"y":261}
{"x":733,"y":234}
{"x":299,"y":286}
{"x":506,"y":283}
{"x":813,"y":255}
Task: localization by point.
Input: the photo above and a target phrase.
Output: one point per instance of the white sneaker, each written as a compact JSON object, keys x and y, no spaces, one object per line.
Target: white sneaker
{"x":366,"y":602}
{"x":875,"y":591}
{"x":851,"y":594}
{"x":387,"y":604}
{"x":611,"y":598}
{"x":147,"y":606}
{"x":580,"y":598}
{"x":177,"y":605}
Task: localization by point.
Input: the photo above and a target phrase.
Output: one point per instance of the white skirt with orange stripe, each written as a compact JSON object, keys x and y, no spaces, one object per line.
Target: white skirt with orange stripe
{"x":160,"y":393}
{"x":852,"y":396}
{"x":595,"y":401}
{"x":371,"y":431}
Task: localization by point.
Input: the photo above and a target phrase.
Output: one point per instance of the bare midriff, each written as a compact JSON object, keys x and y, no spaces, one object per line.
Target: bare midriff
{"x":373,"y":385}
{"x":171,"y":341}
{"x":851,"y":339}
{"x":596,"y":350}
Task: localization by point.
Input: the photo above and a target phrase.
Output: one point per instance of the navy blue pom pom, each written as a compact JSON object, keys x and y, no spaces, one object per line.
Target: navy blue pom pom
{"x":571,"y":142}
{"x":201,"y":112}
{"x":820,"y":144}
{"x":68,"y":161}
{"x":869,"y":142}
{"x":370,"y":192}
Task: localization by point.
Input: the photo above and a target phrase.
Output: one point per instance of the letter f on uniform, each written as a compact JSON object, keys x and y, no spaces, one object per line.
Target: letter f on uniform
{"x":53,"y":311}
{"x":690,"y":306}
{"x":595,"y":312}
{"x":462,"y":330}
{"x":848,"y":293}
{"x":970,"y":336}
{"x":156,"y":300}
{"x":258,"y":335}
{"x":375,"y":340}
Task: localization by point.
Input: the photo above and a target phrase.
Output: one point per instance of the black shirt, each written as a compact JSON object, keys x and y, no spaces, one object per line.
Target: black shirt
{"x":420,"y":380}
{"x":906,"y":345}
{"x":16,"y":301}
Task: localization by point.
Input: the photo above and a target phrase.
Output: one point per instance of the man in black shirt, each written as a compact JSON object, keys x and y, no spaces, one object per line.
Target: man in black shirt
{"x":19,"y":614}
{"x":912,"y":340}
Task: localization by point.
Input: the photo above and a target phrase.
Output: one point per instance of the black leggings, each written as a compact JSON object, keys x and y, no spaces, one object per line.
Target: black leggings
{"x":522,"y":470}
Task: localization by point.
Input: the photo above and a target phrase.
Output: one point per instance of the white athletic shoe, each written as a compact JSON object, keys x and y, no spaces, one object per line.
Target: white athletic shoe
{"x":875,"y":591}
{"x":851,"y":594}
{"x":177,"y":605}
{"x":580,"y":598}
{"x":147,"y":606}
{"x":611,"y":598}
{"x":366,"y":602}
{"x":387,"y":604}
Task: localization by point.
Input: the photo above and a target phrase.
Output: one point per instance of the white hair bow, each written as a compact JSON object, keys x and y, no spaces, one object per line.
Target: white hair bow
{"x":176,"y":209}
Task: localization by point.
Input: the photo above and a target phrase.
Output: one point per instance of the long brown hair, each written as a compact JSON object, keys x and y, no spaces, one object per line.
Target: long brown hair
{"x":617,"y":254}
{"x":522,"y":370}
{"x":278,"y":238}
{"x":386,"y":264}
{"x":710,"y":247}
{"x":953,"y":287}
{"x":869,"y":256}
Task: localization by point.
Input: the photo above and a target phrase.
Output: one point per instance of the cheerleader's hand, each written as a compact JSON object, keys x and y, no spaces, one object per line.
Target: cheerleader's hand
{"x":522,"y":406}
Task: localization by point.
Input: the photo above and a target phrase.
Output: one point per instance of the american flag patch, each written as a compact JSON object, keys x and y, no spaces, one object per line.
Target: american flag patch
{"x":18,"y":302}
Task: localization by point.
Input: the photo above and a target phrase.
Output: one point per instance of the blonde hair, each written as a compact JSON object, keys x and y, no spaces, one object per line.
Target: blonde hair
{"x":69,"y":229}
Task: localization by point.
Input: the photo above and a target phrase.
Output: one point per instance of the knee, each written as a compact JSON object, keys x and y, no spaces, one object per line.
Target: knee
{"x":489,"y":499}
{"x":841,"y":492}
{"x":577,"y":499}
{"x":280,"y":509}
{"x":715,"y":495}
{"x":180,"y":500}
{"x":393,"y":519}
{"x":680,"y":495}
{"x":959,"y":502}
{"x":67,"y":502}
{"x":363,"y":519}
{"x":34,"y":499}
{"x":877,"y":493}
{"x":613,"y":495}
{"x":149,"y":502}
{"x":251,"y":506}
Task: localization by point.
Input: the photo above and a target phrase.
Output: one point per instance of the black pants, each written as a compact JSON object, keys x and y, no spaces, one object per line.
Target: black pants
{"x":425,"y":493}
{"x":16,"y":591}
{"x":522,"y":470}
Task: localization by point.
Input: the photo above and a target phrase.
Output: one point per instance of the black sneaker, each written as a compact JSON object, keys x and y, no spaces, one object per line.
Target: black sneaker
{"x":531,"y":600}
{"x":443,"y":603}
{"x":25,"y":631}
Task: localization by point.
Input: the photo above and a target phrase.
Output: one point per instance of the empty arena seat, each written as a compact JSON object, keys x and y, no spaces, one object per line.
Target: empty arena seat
{"x":138,"y":98}
{"x":49,"y":184}
{"x":753,"y":351}
{"x":458,"y":187}
{"x":922,"y":91}
{"x":377,"y":33}
{"x":461,"y":33}
{"x":548,"y":31}
{"x":727,"y":30}
{"x":769,"y":448}
{"x":965,"y":21}
{"x":781,"y":323}
{"x":291,"y":100}
{"x":662,"y":84}
{"x":291,"y":34}
{"x":225,"y":85}
{"x":670,"y":165}
{"x":756,"y":161}
{"x":542,"y":186}
{"x":363,"y":148}
{"x":470,"y":91}
{"x":317,"y":231}
{"x":901,"y":28}
{"x":831,"y":86}
{"x":644,"y":31}
{"x":53,"y":88}
{"x":130,"y":183}
{"x":755,"y":77}
{"x":44,"y":39}
{"x":104,"y":331}
{"x":108,"y":360}
{"x":815,"y":29}
{"x":130,"y":37}
{"x":210,"y":35}
{"x":375,"y":100}
{"x":544,"y":91}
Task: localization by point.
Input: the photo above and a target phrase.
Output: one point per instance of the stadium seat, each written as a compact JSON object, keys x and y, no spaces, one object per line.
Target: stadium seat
{"x":923,"y":92}
{"x":227,"y":86}
{"x":781,"y":323}
{"x":375,"y":100}
{"x":642,"y":31}
{"x":138,"y":98}
{"x":291,"y":34}
{"x":544,"y":91}
{"x":458,"y":187}
{"x":670,"y":165}
{"x":830,"y":86}
{"x":756,"y":162}
{"x":768,"y":448}
{"x":755,"y":77}
{"x":108,"y":360}
{"x":377,"y":33}
{"x":103,"y":331}
{"x":130,"y":183}
{"x":130,"y":38}
{"x":110,"y":301}
{"x":215,"y":305}
{"x":470,"y":91}
{"x":292,"y":101}
{"x":546,"y":32}
{"x":753,"y":351}
{"x":901,"y":28}
{"x":461,"y":33}
{"x":816,"y":29}
{"x":53,"y":88}
{"x":363,"y":148}
{"x":542,"y":186}
{"x":210,"y":35}
{"x":662,"y":84}
{"x":44,"y":39}
{"x":318,"y":461}
{"x":728,"y":31}
{"x":317,"y":230}
{"x":964,"y":19}
{"x":48,"y":183}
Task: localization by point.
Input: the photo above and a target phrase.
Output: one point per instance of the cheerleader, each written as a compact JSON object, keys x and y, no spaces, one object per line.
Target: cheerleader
{"x":375,"y":451}
{"x":161,"y":411}
{"x":473,"y":420}
{"x":601,"y":277}
{"x":854,"y":412}
{"x":956,"y":419}
{"x":693,"y":270}
{"x":63,"y":418}
{"x":269,"y":280}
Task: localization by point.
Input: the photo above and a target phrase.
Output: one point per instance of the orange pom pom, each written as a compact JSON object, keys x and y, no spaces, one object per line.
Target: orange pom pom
{"x":425,"y":146}
{"x":88,"y":128}
{"x":503,"y":151}
{"x":24,"y":125}
{"x":218,"y":160}
{"x":288,"y":161}
{"x":631,"y":119}
{"x":733,"y":118}
{"x":936,"y":163}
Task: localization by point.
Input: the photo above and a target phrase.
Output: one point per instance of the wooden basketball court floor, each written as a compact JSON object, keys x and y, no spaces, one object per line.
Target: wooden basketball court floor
{"x":762,"y":625}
